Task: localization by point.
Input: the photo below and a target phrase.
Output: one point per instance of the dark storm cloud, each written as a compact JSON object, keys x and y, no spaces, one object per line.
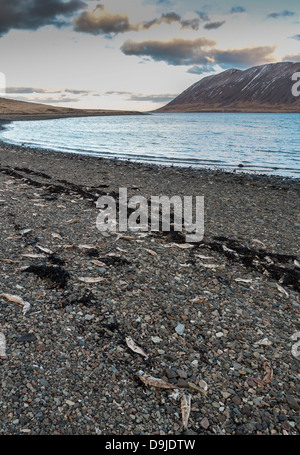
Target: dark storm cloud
{"x":100,"y":21}
{"x":284,"y":13}
{"x":33,"y":14}
{"x":214,"y":25}
{"x":237,"y":9}
{"x":201,"y":51}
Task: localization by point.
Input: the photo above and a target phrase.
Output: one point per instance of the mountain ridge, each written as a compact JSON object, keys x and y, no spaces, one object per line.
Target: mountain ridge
{"x":264,"y":88}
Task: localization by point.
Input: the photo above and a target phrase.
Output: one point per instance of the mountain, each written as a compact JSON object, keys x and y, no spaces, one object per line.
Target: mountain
{"x":266,"y":88}
{"x":22,"y":110}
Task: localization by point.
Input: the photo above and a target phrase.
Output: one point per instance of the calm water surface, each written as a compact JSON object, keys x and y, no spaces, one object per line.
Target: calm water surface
{"x":262,"y":143}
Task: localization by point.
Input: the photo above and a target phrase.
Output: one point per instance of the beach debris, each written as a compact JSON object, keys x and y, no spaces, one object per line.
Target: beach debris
{"x":229,"y":250}
{"x":44,"y":250}
{"x":54,"y":275}
{"x":201,"y":256}
{"x":86,"y":247}
{"x":184,"y":246}
{"x":33,"y":256}
{"x":242,"y":280}
{"x":150,"y":381}
{"x":282,"y":290}
{"x":25,"y":231}
{"x":10,"y":261}
{"x":18,"y":300}
{"x":56,"y":236}
{"x":2,"y":346}
{"x":296,"y":346}
{"x":121,"y":250}
{"x":264,"y":342}
{"x":209,"y":266}
{"x":153,"y":253}
{"x":176,"y":395}
{"x":185,"y":409}
{"x":99,"y":263}
{"x":258,"y":242}
{"x":268,"y":377}
{"x":135,"y":348}
{"x":90,"y":280}
{"x":203,"y":385}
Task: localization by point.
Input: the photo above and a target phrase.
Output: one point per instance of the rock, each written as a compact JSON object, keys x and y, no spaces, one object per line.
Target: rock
{"x":171,"y":374}
{"x":247,"y":411}
{"x":182,"y":374}
{"x":190,"y":433}
{"x":205,"y":423}
{"x":180,"y":329}
{"x":156,"y":340}
{"x":293,"y":404}
{"x":27,"y":338}
{"x":182,"y":383}
{"x":237,"y":400}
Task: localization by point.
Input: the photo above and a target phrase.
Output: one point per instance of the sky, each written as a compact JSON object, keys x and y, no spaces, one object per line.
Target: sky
{"x":136,"y":54}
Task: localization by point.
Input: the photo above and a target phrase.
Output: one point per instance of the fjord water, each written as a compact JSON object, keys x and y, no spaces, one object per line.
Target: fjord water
{"x":262,"y":143}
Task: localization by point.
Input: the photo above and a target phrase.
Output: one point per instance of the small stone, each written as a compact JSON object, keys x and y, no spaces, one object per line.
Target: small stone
{"x":182,"y":374}
{"x":28,"y":337}
{"x":205,"y":423}
{"x":236,"y":400}
{"x":293,"y":404}
{"x":180,"y":329}
{"x":226,"y":395}
{"x":88,"y":317}
{"x":247,"y":411}
{"x":156,"y":340}
{"x":182,"y":383}
{"x":171,"y":373}
{"x":70,"y":403}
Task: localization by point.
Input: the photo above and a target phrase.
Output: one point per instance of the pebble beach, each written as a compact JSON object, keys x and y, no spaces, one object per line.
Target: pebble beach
{"x":216,"y":321}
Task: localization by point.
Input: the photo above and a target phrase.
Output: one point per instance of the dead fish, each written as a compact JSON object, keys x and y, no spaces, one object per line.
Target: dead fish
{"x":135,"y":348}
{"x":90,"y":280}
{"x":2,"y":346}
{"x":18,"y":300}
{"x":185,"y":410}
{"x":154,"y":382}
{"x":44,"y":250}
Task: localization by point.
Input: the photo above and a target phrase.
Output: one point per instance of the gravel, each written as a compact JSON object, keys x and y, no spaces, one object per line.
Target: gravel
{"x":68,"y":369}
